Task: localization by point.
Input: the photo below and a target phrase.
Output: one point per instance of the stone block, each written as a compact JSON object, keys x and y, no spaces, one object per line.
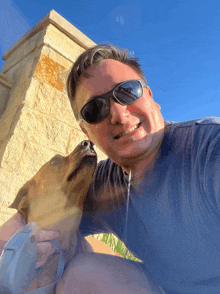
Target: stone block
{"x":45,"y":50}
{"x":6,"y":80}
{"x":51,"y":72}
{"x":69,"y":30}
{"x":10,"y":183}
{"x":6,"y":84}
{"x":12,"y":154}
{"x":23,"y":70}
{"x":14,"y":72}
{"x":25,"y":157}
{"x":23,"y":50}
{"x":43,"y":130}
{"x":62,"y":43}
{"x":12,"y":113}
{"x":4,"y":96}
{"x":58,"y":57}
{"x":33,"y":157}
{"x":48,"y":100}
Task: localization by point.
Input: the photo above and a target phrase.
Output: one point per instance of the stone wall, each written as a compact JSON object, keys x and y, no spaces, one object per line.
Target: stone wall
{"x":5,"y":86}
{"x":36,"y":120}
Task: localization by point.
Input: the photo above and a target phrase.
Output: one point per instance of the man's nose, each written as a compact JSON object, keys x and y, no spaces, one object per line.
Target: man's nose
{"x":118,"y":112}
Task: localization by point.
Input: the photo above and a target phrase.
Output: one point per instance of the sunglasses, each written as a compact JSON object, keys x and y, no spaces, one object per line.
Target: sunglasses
{"x":125,"y":93}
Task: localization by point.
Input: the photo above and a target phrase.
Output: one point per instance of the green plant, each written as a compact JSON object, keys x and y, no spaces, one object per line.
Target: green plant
{"x":116,"y":245}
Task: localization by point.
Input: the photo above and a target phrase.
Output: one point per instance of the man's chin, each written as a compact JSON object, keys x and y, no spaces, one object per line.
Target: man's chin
{"x":132,"y":152}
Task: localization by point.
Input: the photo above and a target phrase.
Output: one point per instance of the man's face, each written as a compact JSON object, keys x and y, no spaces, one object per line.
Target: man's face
{"x":140,"y":143}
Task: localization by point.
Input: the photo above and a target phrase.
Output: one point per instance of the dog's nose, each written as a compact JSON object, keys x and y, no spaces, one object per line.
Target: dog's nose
{"x":87,"y":144}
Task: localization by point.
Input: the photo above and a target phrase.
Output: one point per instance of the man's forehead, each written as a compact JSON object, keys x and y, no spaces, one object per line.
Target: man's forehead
{"x":108,"y":71}
{"x":108,"y":67}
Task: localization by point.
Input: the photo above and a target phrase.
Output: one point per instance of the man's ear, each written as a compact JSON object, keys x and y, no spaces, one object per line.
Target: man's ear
{"x":149,"y":91}
{"x":151,"y":94}
{"x":158,"y":105}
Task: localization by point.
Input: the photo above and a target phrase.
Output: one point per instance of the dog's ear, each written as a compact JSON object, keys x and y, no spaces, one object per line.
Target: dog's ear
{"x":23,"y":192}
{"x":21,"y":202}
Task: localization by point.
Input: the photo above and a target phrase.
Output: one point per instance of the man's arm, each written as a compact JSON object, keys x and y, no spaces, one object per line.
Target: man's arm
{"x":15,"y":224}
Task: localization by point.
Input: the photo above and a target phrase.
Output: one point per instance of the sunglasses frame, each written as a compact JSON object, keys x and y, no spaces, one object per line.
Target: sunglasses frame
{"x":111,"y":93}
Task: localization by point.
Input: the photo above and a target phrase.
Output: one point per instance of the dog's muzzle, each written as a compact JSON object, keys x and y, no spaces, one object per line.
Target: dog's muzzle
{"x":86,"y":144}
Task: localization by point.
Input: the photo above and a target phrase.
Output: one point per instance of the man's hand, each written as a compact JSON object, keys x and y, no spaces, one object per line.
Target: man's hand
{"x":12,"y":226}
{"x":44,"y":249}
{"x":15,"y":224}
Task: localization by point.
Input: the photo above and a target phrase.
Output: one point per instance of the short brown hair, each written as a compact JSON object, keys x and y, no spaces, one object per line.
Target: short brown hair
{"x":92,"y":56}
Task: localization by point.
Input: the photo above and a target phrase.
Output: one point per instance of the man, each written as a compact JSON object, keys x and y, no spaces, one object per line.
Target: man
{"x":171,"y":219}
{"x":130,"y":135}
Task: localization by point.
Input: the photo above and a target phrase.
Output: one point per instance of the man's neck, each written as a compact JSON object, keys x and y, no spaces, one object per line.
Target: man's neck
{"x":139,"y":169}
{"x":140,"y":166}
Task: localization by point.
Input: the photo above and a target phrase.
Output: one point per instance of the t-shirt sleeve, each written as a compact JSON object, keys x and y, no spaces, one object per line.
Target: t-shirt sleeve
{"x":92,"y":224}
{"x":105,"y":194}
{"x":212,"y":167}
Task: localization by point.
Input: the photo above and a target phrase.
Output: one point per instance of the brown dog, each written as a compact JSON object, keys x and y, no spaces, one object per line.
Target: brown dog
{"x":54,"y":196}
{"x":53,"y":199}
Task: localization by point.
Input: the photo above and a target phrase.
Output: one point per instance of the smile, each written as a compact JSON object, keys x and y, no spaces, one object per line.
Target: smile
{"x":127,"y":132}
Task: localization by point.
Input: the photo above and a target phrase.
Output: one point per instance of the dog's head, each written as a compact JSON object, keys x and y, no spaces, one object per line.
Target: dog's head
{"x":56,"y":193}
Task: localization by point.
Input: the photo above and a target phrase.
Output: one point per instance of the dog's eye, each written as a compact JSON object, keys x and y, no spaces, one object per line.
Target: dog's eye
{"x":56,"y":160}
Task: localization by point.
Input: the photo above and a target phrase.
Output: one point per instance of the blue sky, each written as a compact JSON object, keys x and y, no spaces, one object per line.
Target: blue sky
{"x":177,"y":41}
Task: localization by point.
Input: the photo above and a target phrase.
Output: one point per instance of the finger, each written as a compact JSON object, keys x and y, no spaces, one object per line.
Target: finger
{"x":40,"y":263}
{"x":44,"y":250}
{"x":34,"y":227}
{"x":43,"y":235}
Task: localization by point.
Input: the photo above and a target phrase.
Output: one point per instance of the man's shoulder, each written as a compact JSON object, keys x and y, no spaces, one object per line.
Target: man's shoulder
{"x":209,"y":120}
{"x":106,"y":164}
{"x":108,"y":171}
{"x":200,"y":134}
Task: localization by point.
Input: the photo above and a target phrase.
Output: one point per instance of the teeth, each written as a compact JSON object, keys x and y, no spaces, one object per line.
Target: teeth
{"x":125,"y":133}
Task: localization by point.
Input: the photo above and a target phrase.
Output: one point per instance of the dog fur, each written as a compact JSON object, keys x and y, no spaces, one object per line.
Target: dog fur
{"x":53,"y":199}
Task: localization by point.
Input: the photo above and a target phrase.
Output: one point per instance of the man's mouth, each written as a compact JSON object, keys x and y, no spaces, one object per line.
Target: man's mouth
{"x":127,"y":132}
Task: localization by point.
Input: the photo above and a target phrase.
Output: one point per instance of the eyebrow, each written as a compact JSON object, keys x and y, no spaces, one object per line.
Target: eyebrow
{"x":96,"y":96}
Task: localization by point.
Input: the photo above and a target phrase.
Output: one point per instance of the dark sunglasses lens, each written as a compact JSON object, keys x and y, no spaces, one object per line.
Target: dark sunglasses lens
{"x":129,"y":92}
{"x":95,"y":110}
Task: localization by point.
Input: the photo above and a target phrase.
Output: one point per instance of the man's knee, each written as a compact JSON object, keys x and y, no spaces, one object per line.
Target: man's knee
{"x":101,"y":273}
{"x":79,"y":275}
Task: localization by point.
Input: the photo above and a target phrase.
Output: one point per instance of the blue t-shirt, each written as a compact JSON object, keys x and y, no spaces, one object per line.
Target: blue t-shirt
{"x":172,"y":222}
